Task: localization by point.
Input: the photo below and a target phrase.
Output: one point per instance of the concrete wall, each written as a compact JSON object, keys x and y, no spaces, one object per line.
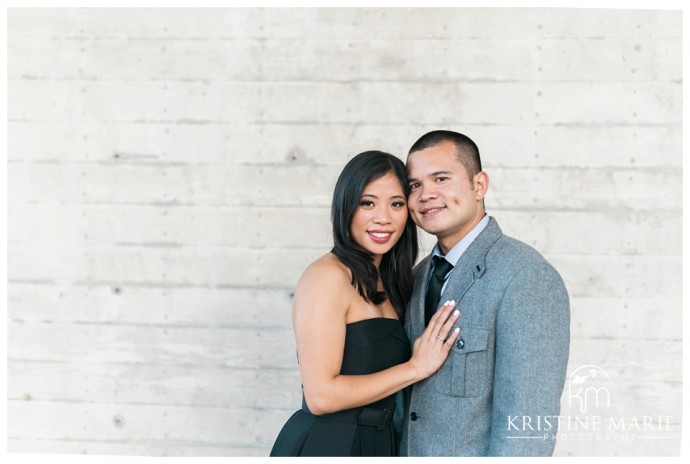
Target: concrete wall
{"x":170,"y":174}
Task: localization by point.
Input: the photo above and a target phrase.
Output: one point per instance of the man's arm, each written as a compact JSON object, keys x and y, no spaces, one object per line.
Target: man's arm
{"x":532,"y":342}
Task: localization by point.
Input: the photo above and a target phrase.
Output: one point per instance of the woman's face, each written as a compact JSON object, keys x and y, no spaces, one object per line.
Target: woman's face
{"x":380,"y":218}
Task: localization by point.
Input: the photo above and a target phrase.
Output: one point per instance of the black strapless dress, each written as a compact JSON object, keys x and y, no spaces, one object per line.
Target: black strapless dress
{"x":371,"y":345}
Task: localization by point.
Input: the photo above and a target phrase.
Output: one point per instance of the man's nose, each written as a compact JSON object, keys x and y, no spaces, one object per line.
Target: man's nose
{"x":427,"y":193}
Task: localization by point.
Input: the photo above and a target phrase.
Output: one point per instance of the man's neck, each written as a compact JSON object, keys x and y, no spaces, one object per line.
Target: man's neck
{"x":447,"y":243}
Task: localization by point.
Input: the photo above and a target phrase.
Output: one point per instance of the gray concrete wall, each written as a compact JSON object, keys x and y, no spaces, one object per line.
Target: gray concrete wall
{"x":170,"y":174}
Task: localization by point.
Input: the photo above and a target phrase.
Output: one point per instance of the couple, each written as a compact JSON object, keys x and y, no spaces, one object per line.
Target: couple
{"x":489,"y":317}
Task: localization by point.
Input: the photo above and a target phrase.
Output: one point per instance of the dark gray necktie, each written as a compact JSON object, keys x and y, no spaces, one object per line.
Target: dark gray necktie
{"x":433,"y":294}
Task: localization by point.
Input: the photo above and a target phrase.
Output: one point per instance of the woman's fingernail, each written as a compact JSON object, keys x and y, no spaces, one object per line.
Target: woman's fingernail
{"x":456,"y":312}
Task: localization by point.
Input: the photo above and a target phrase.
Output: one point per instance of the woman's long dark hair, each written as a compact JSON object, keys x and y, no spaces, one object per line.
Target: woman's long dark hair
{"x":396,"y":264}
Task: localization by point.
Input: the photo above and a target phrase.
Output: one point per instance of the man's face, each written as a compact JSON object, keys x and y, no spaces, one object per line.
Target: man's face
{"x":443,"y":200}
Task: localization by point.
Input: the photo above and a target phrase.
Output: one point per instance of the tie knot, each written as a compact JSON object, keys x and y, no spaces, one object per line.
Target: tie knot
{"x":441,"y":266}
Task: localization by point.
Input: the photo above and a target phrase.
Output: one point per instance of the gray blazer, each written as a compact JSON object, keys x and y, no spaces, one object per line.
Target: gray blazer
{"x":500,"y":388}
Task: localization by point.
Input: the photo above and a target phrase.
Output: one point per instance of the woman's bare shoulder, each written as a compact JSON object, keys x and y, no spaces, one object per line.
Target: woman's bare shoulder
{"x":326,"y":270}
{"x":324,"y":287}
{"x":326,"y":278}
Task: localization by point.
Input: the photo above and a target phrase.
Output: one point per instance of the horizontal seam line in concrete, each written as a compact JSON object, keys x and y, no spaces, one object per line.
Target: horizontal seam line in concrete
{"x":624,"y":339}
{"x":190,"y":366}
{"x":149,"y":441}
{"x":172,"y":326}
{"x":175,"y":204}
{"x":289,"y":330}
{"x":605,"y":124}
{"x":155,"y":204}
{"x":355,"y":124}
{"x":93,"y":246}
{"x":153,"y":364}
{"x":129,"y":403}
{"x":201,"y":246}
{"x":353,"y":38}
{"x":259,"y":81}
{"x":313,"y":165}
{"x":151,"y":284}
{"x":326,"y":247}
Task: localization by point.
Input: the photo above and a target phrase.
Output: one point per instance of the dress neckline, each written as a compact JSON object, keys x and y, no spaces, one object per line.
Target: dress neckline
{"x":373,"y":319}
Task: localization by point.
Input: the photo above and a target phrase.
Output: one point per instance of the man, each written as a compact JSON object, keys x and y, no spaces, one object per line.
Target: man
{"x":498,"y":393}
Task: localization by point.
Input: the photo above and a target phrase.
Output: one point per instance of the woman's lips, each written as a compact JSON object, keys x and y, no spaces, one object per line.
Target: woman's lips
{"x":380,"y":236}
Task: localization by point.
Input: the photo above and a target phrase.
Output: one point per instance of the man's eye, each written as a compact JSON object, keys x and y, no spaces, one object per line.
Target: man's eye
{"x":414,"y":186}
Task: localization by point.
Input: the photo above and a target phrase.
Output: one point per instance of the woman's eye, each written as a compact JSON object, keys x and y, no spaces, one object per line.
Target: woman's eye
{"x":366,"y":203}
{"x":398,"y":204}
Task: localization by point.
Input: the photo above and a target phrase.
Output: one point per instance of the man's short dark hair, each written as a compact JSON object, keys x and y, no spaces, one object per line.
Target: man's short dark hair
{"x":466,"y":150}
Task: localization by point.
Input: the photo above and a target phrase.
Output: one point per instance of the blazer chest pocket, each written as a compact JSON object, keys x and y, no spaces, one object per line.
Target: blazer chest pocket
{"x":466,"y":371}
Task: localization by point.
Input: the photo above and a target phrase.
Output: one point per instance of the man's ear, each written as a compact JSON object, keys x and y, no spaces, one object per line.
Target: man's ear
{"x":481,"y":184}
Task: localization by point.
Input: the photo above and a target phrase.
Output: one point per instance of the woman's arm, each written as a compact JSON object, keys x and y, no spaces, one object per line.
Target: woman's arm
{"x":320,"y":307}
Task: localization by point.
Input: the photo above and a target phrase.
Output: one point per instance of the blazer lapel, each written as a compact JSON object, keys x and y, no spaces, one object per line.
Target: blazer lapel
{"x":472,"y":264}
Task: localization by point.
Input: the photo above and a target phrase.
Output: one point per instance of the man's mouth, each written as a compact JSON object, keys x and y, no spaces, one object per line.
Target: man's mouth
{"x":431,"y":211}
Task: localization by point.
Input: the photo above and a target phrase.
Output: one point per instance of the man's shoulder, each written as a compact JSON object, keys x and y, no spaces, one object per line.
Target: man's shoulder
{"x":510,"y":245}
{"x":511,"y":252}
{"x":519,"y":266}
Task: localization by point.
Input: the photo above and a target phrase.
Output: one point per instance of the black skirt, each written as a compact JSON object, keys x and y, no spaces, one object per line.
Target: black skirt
{"x":354,"y":432}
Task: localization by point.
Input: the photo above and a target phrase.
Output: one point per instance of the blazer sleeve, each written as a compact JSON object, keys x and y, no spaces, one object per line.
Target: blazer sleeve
{"x":532,"y":344}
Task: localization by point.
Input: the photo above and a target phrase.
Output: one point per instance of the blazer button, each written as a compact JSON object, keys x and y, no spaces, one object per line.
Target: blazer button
{"x":460,"y":343}
{"x":413,"y":416}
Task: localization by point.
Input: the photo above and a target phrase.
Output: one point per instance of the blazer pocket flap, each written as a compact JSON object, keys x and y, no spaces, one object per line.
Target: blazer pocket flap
{"x":471,"y":339}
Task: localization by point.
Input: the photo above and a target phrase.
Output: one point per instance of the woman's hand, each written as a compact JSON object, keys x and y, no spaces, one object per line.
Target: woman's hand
{"x":431,"y":349}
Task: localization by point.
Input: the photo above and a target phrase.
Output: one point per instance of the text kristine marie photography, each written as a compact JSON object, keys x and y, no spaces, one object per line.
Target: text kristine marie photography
{"x":590,"y":392}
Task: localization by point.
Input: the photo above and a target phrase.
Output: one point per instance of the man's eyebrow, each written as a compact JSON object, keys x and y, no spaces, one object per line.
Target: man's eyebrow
{"x":433,"y":174}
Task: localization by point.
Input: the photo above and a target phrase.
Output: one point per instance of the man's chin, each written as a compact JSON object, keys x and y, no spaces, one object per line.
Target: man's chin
{"x":429,"y":228}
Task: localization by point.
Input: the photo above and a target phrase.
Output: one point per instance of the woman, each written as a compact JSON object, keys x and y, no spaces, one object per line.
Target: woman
{"x":352,"y":349}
